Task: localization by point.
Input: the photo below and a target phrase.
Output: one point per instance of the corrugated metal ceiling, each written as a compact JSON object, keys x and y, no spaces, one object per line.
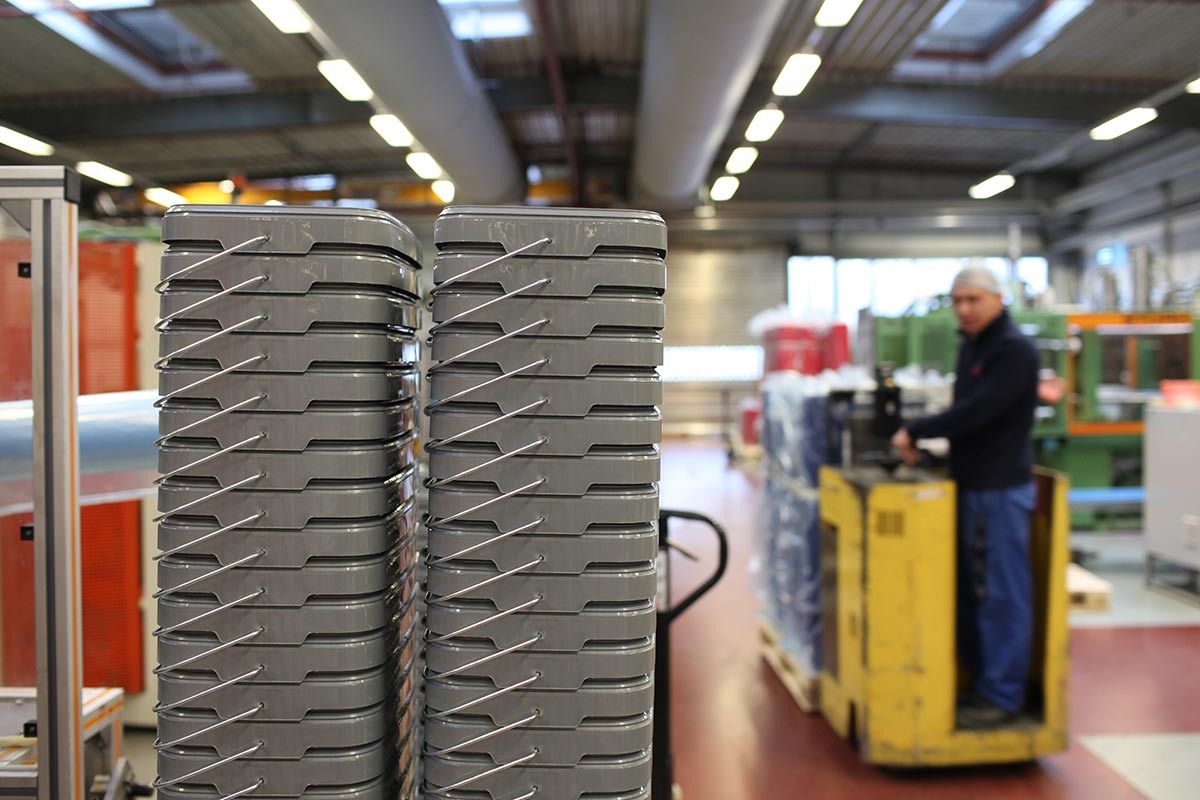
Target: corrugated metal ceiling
{"x":881,"y":33}
{"x":35,"y":60}
{"x":1146,"y":39}
{"x":248,"y":41}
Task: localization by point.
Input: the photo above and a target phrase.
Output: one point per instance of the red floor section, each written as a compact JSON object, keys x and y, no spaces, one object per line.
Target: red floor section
{"x":739,"y":736}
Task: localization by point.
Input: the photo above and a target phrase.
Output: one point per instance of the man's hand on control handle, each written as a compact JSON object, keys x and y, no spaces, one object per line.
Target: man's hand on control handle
{"x":904,"y":445}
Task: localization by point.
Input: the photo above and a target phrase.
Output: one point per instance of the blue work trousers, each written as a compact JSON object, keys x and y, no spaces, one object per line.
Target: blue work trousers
{"x":995,"y":591}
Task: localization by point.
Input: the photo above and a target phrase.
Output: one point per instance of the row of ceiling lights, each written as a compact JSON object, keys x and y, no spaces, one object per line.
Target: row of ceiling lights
{"x":288,"y":18}
{"x":792,"y":80}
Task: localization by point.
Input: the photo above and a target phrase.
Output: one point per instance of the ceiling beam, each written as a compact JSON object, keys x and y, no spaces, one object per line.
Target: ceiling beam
{"x":182,"y":116}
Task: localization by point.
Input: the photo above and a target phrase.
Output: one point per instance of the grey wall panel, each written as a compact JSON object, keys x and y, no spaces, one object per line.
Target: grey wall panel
{"x":713,"y":293}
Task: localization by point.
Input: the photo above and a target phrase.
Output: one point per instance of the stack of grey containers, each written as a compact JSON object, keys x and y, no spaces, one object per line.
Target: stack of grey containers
{"x":543,"y":503}
{"x":288,"y":418}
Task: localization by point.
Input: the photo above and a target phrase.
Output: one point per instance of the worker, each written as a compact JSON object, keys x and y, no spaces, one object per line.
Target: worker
{"x":989,"y":426}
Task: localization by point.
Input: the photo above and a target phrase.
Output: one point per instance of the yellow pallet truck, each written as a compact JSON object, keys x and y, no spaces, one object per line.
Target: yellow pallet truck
{"x":889,"y":676}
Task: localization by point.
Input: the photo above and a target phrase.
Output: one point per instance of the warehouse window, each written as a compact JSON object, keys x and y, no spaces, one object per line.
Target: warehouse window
{"x":825,"y":288}
{"x":720,"y":364}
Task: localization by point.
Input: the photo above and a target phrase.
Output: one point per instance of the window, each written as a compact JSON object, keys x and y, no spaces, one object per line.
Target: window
{"x":712,"y":364}
{"x":821,"y":287}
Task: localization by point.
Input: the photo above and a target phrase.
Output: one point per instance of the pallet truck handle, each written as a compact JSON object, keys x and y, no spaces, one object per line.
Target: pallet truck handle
{"x":664,"y":515}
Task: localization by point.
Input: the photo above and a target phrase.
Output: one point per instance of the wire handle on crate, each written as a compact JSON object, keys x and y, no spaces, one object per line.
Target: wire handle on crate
{"x":433,"y":524}
{"x":198,"y":427}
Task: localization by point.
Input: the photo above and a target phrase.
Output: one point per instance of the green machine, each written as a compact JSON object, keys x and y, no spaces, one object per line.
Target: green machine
{"x":1112,"y":364}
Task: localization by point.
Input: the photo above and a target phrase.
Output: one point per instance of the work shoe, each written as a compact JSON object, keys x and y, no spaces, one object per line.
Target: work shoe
{"x":983,"y":716}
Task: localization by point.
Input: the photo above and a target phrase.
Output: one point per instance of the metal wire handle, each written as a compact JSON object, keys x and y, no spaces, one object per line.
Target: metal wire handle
{"x":163,"y":363}
{"x":433,"y":524}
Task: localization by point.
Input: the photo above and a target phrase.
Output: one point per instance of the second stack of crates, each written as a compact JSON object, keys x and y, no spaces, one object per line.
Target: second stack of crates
{"x":288,"y":411}
{"x":543,"y":503}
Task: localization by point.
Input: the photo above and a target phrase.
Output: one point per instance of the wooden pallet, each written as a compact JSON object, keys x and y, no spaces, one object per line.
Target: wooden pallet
{"x":1085,"y":591}
{"x":802,"y":684}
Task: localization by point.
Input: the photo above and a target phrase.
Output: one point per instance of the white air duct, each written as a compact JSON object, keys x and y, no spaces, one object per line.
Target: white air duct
{"x":699,"y":59}
{"x":408,"y":55}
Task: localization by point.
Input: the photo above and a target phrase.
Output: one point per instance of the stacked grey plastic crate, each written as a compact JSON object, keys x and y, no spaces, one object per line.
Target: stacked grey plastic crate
{"x":289,"y":383}
{"x":543,"y":503}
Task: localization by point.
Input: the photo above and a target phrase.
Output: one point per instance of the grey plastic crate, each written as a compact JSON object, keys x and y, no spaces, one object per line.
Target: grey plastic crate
{"x":568,"y":514}
{"x":292,"y":274}
{"x":292,"y":352}
{"x":285,"y":626}
{"x":282,"y":740}
{"x":564,"y":436}
{"x":563,"y":474}
{"x":360,"y":461}
{"x":608,"y":779}
{"x":556,"y":747}
{"x":293,"y":547}
{"x":281,"y":663}
{"x":326,"y":501}
{"x":290,"y":431}
{"x":560,"y":552}
{"x":294,"y":777}
{"x":562,"y":396}
{"x":564,"y":356}
{"x":555,"y":708}
{"x":292,"y":230}
{"x":290,"y":392}
{"x":377,"y":789}
{"x":282,"y":588}
{"x":558,"y":632}
{"x":570,"y":277}
{"x":281,"y":702}
{"x":560,"y":593}
{"x":567,"y":316}
{"x":555,"y":670}
{"x":287,"y":313}
{"x":574,"y":231}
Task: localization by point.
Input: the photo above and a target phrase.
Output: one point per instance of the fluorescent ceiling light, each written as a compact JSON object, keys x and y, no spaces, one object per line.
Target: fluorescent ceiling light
{"x":424,"y":165}
{"x":392,"y":130}
{"x":741,"y":159}
{"x":764,"y":124}
{"x":1194,"y":87}
{"x":345,"y":79}
{"x":1000,"y":182}
{"x":796,"y":74}
{"x":227,"y":186}
{"x":104,"y":173}
{"x":26,"y":144}
{"x":285,"y":15}
{"x":1123,"y":124}
{"x":164,"y":197}
{"x":724,"y":188}
{"x":110,"y":5}
{"x":444,"y":190}
{"x":836,"y":13}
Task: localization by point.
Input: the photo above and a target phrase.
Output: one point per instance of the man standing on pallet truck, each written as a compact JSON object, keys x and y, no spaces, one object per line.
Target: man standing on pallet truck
{"x":989,"y":427}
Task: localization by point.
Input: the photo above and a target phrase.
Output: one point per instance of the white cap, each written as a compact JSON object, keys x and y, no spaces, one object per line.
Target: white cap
{"x":977,"y":278}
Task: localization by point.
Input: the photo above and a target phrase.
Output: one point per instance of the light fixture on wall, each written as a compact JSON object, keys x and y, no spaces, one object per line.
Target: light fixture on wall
{"x":1122,"y":124}
{"x":444,"y":190}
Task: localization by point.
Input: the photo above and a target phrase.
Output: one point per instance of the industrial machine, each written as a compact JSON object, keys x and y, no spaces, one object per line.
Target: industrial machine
{"x":1112,"y":363}
{"x":1172,"y":529}
{"x":889,"y":674}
